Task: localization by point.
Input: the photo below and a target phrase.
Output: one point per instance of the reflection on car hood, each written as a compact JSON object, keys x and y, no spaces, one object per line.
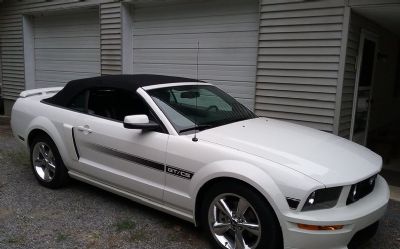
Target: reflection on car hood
{"x":327,"y":158}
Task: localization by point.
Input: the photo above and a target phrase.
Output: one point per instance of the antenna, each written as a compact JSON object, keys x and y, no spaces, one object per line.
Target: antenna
{"x":195,"y":139}
{"x":197,"y":60}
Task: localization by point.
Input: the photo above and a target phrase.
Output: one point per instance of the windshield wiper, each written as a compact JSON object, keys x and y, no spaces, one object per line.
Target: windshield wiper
{"x":197,"y":127}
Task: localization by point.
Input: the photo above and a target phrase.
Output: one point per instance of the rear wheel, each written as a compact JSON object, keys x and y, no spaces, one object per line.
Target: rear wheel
{"x":46,"y":162}
{"x":236,"y":217}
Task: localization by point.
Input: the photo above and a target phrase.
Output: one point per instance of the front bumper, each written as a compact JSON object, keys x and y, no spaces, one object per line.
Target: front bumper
{"x":354,"y":217}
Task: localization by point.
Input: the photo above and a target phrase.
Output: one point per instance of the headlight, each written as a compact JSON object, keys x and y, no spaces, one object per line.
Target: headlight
{"x":322,"y":199}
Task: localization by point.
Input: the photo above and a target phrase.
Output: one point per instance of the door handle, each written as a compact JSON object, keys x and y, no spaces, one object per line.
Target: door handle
{"x":85,"y":129}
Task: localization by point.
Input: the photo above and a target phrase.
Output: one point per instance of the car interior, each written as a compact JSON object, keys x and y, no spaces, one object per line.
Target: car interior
{"x":110,"y":103}
{"x":199,"y":105}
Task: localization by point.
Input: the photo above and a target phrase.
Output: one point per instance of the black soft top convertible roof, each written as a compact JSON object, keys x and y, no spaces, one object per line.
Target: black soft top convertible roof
{"x":130,"y":82}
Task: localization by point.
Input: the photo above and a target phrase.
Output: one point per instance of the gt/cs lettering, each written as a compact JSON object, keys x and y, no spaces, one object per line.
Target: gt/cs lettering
{"x":179,"y":172}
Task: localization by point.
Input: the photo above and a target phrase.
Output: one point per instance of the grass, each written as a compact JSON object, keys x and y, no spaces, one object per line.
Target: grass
{"x":129,"y":226}
{"x":138,"y":235}
{"x":167,"y":224}
{"x":15,"y":240}
{"x":125,"y":225}
{"x":61,"y":237}
{"x":15,"y":157}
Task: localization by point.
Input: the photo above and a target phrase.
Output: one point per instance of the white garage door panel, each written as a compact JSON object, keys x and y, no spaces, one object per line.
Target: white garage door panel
{"x":207,"y":40}
{"x":148,"y":30}
{"x":89,"y":42}
{"x":202,"y":24}
{"x":53,"y":78}
{"x":202,"y":9}
{"x":68,"y":55}
{"x":234,"y":56}
{"x":67,"y":47}
{"x":208,"y":72}
{"x":68,"y":31}
{"x":165,"y":42}
{"x":75,"y":66}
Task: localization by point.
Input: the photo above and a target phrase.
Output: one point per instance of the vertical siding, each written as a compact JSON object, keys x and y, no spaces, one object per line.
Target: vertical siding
{"x":298,"y":61}
{"x":11,"y":38}
{"x":111,"y":42}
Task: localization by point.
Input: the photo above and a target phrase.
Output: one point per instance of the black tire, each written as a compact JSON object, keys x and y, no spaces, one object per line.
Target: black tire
{"x":270,"y":236}
{"x":59,"y":175}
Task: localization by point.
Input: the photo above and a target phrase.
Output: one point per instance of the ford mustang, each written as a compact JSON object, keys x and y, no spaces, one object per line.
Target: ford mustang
{"x":187,"y":148}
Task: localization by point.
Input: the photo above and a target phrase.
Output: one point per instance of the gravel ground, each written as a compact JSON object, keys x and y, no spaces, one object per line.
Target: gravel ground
{"x":82,"y":216}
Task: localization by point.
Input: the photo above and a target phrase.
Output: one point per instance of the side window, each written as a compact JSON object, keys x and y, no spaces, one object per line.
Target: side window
{"x":115,"y":104}
{"x":78,"y":103}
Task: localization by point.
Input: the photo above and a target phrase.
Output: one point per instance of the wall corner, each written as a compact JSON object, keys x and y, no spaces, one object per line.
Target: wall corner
{"x":342,"y":68}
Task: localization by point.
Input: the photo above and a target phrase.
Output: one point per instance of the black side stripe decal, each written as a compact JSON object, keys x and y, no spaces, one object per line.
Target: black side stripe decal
{"x":73,"y":140}
{"x":128,"y":157}
{"x":179,"y":172}
{"x":145,"y":162}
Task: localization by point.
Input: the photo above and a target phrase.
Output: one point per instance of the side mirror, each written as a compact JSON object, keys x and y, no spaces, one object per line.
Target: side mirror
{"x":141,"y":122}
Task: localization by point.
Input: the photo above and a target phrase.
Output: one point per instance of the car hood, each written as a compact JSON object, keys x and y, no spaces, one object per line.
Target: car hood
{"x":327,"y":158}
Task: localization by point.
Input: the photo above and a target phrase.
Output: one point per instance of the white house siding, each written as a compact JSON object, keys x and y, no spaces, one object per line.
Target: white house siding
{"x":110,"y":25}
{"x":296,"y":67}
{"x":165,"y":42}
{"x":11,"y":37}
{"x":298,"y":61}
{"x":66,"y":47}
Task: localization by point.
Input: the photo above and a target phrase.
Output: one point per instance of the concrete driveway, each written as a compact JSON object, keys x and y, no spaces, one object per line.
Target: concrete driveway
{"x":82,"y":216}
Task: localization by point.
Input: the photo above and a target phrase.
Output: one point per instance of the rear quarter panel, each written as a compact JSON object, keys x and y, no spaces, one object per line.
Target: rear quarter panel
{"x":30,"y":113}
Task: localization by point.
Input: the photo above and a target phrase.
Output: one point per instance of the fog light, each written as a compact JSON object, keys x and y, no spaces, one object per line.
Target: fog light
{"x":320,"y":228}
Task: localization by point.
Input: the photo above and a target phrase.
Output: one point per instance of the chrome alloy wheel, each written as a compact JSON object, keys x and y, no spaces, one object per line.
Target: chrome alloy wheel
{"x":44,"y":161}
{"x":234,"y":222}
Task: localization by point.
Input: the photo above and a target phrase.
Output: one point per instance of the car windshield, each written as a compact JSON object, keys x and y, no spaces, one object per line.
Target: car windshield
{"x":200,"y":107}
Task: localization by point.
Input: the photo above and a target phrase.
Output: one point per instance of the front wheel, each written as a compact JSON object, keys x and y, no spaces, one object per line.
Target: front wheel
{"x":236,"y":217}
{"x":47,"y":164}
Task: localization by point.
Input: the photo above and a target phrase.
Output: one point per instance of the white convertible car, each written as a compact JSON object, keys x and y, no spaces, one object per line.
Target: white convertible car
{"x":187,"y":148}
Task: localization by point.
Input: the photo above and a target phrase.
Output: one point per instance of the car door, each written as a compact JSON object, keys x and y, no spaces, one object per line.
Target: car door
{"x":128,"y":159}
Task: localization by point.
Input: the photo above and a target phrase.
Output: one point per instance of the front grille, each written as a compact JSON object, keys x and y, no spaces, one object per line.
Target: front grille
{"x":361,"y":189}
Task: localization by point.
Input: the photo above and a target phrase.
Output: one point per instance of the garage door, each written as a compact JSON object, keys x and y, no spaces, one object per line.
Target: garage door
{"x":165,"y":42}
{"x":67,"y":47}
